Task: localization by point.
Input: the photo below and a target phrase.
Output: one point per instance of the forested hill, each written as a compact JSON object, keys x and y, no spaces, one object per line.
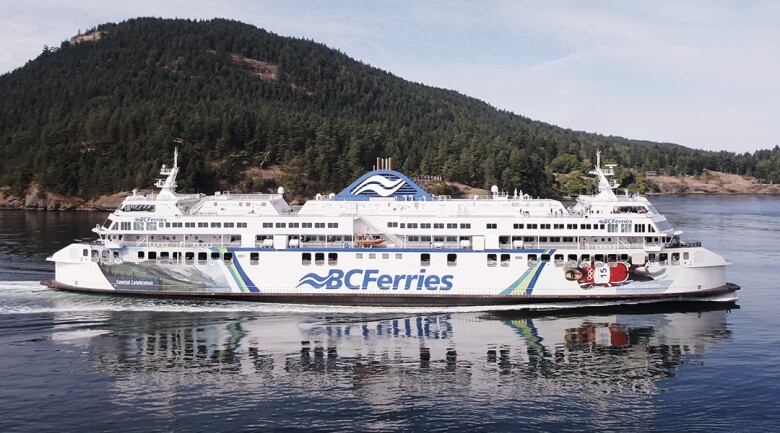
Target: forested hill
{"x":100,"y":114}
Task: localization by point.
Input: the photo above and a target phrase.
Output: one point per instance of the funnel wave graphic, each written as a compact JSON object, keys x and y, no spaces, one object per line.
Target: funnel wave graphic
{"x":380,"y":185}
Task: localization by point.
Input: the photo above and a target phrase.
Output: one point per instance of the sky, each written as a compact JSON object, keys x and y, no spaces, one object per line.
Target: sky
{"x":703,"y":74}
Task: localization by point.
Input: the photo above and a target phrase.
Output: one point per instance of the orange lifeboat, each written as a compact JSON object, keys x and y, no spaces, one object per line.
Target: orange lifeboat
{"x":368,"y":240}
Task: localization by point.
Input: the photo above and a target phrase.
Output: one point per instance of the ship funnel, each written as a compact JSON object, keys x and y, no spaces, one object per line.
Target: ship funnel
{"x":384,"y":164}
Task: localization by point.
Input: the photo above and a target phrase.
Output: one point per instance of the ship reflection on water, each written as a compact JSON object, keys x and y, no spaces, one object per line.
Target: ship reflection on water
{"x":379,"y":360}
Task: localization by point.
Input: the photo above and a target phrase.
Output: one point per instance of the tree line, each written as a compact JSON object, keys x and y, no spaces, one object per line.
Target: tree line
{"x":99,"y":117}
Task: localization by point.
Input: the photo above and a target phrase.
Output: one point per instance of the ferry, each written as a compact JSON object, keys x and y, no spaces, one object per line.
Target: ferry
{"x":384,"y":240}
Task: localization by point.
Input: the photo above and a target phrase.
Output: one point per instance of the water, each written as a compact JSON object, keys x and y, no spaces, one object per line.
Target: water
{"x":71,"y":362}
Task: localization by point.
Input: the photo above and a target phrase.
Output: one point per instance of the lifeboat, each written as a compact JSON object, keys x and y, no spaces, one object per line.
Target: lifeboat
{"x":368,"y":240}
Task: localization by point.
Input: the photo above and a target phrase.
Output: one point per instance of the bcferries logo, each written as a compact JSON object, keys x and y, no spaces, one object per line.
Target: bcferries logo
{"x":379,"y":184}
{"x":357,"y":279}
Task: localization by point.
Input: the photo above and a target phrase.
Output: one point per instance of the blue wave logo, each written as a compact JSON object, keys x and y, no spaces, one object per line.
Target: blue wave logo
{"x":317,"y":281}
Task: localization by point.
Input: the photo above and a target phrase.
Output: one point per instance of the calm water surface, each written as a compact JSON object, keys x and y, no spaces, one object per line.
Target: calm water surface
{"x":71,"y":362}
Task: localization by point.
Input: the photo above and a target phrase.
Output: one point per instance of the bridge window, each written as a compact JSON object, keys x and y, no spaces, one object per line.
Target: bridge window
{"x":333,"y":225}
{"x":518,"y":226}
{"x":411,"y":225}
{"x":452,"y":259}
{"x":281,"y":225}
{"x":558,"y":226}
{"x":571,"y":226}
{"x":241,"y":225}
{"x":306,"y":259}
{"x":505,"y":260}
{"x":425,"y":225}
{"x":545,"y":226}
{"x":319,"y":258}
{"x":216,"y":225}
{"x":138,"y":208}
{"x":425,"y":259}
{"x":491,"y":226}
{"x":452,"y":225}
{"x":319,"y":225}
{"x":465,"y":225}
{"x":438,"y":225}
{"x":333,"y":258}
{"x":533,"y":226}
{"x":254,"y":258}
{"x":491,"y":260}
{"x":392,"y":224}
{"x":203,"y":225}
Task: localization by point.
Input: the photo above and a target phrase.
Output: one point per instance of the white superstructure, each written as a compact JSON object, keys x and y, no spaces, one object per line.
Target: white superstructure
{"x":384,"y":239}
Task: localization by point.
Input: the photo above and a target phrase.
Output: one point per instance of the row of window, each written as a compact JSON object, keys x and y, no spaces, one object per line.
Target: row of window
{"x":282,"y":225}
{"x":393,"y":224}
{"x":153,"y":225}
{"x":621,"y":228}
{"x":504,"y":259}
{"x":190,"y":256}
{"x":425,"y":258}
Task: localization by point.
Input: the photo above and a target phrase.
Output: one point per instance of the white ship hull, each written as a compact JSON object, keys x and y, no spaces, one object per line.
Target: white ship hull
{"x":388,"y":277}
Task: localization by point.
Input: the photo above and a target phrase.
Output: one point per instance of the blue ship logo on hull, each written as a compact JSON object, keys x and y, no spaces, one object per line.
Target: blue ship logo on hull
{"x":357,"y":279}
